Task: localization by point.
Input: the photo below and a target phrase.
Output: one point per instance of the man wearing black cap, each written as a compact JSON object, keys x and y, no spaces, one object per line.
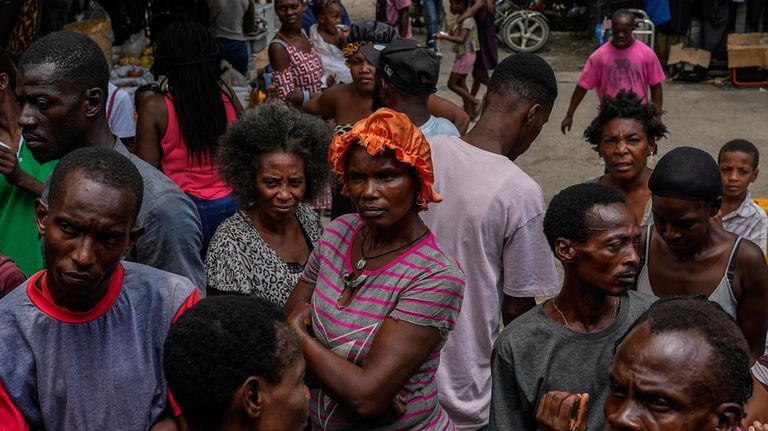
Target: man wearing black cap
{"x":407,"y":74}
{"x":685,"y":252}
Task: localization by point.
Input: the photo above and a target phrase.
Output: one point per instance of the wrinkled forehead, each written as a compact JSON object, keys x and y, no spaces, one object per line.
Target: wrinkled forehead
{"x":610,"y":217}
{"x":79,"y":193}
{"x":674,"y":356}
{"x":358,"y":157}
{"x":44,"y":78}
{"x":38,"y":72}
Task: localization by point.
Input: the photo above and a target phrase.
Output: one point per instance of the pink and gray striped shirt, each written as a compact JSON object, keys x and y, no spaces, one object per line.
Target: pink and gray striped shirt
{"x":423,"y":286}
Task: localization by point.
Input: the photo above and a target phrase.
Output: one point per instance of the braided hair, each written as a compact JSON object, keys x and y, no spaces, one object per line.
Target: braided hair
{"x":187,"y":55}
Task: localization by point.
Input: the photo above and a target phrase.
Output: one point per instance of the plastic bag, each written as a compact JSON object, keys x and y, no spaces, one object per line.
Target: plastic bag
{"x":232,"y":77}
{"x":94,"y":22}
{"x":134,"y":46}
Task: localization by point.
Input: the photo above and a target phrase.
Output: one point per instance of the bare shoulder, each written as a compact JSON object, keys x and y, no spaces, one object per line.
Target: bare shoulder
{"x":278,"y":56}
{"x":750,"y":256}
{"x":153,"y":104}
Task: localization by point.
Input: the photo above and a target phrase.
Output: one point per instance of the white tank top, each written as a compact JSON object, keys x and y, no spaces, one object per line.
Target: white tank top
{"x":723,"y":294}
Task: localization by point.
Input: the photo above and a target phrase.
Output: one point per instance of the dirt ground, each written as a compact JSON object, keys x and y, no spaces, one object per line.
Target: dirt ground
{"x":701,"y":115}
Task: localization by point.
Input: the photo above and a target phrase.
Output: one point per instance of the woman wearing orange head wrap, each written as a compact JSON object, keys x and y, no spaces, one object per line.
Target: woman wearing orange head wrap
{"x":378,"y":296}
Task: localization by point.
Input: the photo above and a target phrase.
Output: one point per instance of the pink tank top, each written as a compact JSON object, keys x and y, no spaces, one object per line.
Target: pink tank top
{"x":201,"y":180}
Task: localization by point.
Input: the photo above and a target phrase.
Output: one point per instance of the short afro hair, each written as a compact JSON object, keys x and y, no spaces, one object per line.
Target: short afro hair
{"x":103,"y":166}
{"x":7,"y":67}
{"x":216,"y":345}
{"x":568,"y":213}
{"x":526,"y":77}
{"x":626,"y":105}
{"x":740,"y":146}
{"x":623,"y":13}
{"x":273,"y":127}
{"x":730,"y":362}
{"x":77,"y":58}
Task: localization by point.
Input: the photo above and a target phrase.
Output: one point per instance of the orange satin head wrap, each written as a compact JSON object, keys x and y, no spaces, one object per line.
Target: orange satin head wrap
{"x":387,"y":129}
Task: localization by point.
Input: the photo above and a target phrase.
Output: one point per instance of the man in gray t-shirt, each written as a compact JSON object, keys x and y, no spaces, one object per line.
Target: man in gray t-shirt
{"x":566,"y":344}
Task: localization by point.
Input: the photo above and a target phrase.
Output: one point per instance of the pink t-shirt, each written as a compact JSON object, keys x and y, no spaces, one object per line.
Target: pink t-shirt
{"x":201,"y":181}
{"x":610,"y":69}
{"x":491,"y":221}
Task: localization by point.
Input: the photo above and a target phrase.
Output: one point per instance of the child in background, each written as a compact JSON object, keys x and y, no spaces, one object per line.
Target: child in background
{"x":738,"y":160}
{"x":329,"y":37}
{"x":465,"y":38}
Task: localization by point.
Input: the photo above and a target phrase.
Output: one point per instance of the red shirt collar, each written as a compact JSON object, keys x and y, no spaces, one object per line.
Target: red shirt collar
{"x":42,"y":299}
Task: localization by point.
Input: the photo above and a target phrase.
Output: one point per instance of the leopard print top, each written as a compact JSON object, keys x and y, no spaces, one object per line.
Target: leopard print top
{"x":240,"y":261}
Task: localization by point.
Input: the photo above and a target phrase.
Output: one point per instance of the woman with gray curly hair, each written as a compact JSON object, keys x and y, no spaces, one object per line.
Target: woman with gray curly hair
{"x":274,"y":159}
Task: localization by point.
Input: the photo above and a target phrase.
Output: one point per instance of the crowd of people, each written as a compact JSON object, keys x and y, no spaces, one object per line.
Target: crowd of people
{"x":188,"y":280}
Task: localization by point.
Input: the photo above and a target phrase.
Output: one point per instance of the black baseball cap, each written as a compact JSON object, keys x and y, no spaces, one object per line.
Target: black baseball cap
{"x":408,"y":65}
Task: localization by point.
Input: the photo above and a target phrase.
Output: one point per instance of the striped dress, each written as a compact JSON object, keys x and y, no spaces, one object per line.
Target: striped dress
{"x":423,"y":286}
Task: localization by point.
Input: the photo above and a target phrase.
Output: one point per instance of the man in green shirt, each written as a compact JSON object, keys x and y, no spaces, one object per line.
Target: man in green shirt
{"x":21,"y":181}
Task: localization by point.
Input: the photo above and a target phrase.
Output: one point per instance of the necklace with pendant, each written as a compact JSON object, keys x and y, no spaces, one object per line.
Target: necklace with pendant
{"x":363,"y":261}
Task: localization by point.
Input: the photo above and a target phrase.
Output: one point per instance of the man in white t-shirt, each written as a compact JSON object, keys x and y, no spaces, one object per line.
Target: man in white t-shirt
{"x":121,"y":115}
{"x":491,"y":222}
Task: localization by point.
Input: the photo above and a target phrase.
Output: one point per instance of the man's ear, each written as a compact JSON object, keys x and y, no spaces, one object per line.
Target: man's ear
{"x":754,"y":174}
{"x":565,"y":250}
{"x":251,"y":396}
{"x":4,"y":81}
{"x":729,"y":416}
{"x":41,"y":214}
{"x":94,"y":99}
{"x":533,"y":111}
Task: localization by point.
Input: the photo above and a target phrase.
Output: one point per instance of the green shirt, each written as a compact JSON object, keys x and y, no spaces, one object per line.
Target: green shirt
{"x":18,"y":231}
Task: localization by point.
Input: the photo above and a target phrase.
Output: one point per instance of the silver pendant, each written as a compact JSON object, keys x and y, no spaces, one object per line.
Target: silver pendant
{"x":361,"y":264}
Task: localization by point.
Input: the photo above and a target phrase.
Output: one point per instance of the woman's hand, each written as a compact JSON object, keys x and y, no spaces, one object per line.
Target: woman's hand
{"x":394,"y":412}
{"x":300,"y":319}
{"x":563,"y":411}
{"x":757,"y":426}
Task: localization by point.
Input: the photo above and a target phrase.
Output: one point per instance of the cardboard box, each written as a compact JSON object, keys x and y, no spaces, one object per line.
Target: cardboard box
{"x":747,"y":49}
{"x":693,"y":56}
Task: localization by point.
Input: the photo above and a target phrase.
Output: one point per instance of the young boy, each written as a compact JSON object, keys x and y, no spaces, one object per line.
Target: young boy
{"x":738,"y":160}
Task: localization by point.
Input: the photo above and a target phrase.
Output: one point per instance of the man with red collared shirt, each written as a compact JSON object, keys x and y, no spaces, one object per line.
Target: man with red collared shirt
{"x":82,"y":339}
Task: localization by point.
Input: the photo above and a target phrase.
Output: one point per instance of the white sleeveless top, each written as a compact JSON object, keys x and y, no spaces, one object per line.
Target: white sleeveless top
{"x":723,"y":294}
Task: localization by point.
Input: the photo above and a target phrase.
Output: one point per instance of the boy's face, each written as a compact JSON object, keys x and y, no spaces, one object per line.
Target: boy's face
{"x":737,"y":172}
{"x":622,"y":32}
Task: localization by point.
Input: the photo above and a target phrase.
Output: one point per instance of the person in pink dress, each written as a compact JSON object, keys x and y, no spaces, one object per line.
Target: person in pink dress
{"x":298,"y":72}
